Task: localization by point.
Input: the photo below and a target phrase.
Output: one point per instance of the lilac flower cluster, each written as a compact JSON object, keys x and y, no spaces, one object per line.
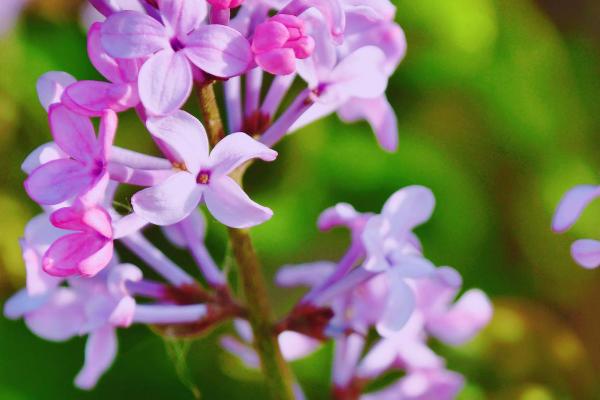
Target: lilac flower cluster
{"x":153,"y":53}
{"x":384,"y":283}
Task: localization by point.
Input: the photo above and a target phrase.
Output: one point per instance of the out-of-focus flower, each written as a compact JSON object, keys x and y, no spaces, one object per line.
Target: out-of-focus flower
{"x":9,"y":13}
{"x":586,"y":252}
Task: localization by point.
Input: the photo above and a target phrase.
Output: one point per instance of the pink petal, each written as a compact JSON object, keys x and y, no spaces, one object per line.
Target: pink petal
{"x":572,"y":205}
{"x":58,"y":181}
{"x":123,"y":314}
{"x":380,"y":115}
{"x":61,"y":318}
{"x":234,"y":150}
{"x":587,"y":253}
{"x":97,"y":261}
{"x":295,"y":345}
{"x":73,"y":133}
{"x":378,"y":359}
{"x":183,"y":16}
{"x":231,"y":206}
{"x":269,"y":35}
{"x":65,"y":256}
{"x":184,"y":138}
{"x":409,"y":207}
{"x":219,"y":50}
{"x":100,"y":352}
{"x":165,"y":82}
{"x":361,"y":74}
{"x":130,"y":34}
{"x":106,"y":132}
{"x":78,"y":218}
{"x":42,"y":155}
{"x":342,"y":214}
{"x":169,"y":202}
{"x":104,"y":63}
{"x":464,"y":320}
{"x":51,"y":86}
{"x":310,"y":274}
{"x":91,"y":98}
{"x":278,"y":61}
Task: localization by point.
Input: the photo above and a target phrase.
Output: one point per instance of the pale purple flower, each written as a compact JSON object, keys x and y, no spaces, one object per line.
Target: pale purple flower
{"x":202,"y":175}
{"x":173,"y":46}
{"x":51,"y":86}
{"x":84,"y":169}
{"x":586,"y":252}
{"x":9,"y":13}
{"x":120,"y":93}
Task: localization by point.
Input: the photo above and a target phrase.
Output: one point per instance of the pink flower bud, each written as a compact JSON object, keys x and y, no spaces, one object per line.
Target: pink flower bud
{"x":223,"y":4}
{"x":279,"y":41}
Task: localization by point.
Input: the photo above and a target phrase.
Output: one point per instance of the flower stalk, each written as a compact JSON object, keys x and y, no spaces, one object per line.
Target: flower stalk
{"x":278,"y":377}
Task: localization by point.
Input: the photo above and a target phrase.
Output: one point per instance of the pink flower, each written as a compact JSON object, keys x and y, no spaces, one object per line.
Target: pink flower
{"x":586,"y":252}
{"x":91,"y":98}
{"x":201,"y":176}
{"x":173,"y":46}
{"x":279,"y":41}
{"x":222,"y":4}
{"x":85,"y":167}
{"x":85,"y":252}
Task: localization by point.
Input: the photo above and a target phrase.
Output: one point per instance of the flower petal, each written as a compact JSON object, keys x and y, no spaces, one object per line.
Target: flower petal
{"x":100,"y":352}
{"x":380,"y":115}
{"x":231,"y":206}
{"x":310,"y":274}
{"x":97,"y":261}
{"x":359,"y":75}
{"x":183,"y":138}
{"x":91,"y":98}
{"x":130,"y":34}
{"x":42,"y":155}
{"x":183,"y":16}
{"x":169,"y":202}
{"x":408,"y":208}
{"x":57,"y":181}
{"x":65,"y":255}
{"x":101,"y":60}
{"x":72,"y":132}
{"x":332,"y":11}
{"x":22,"y":303}
{"x":165,"y":82}
{"x":572,"y":205}
{"x":342,"y":214}
{"x":61,"y":318}
{"x":587,"y":253}
{"x":219,"y":50}
{"x":400,"y":305}
{"x":234,"y":150}
{"x":51,"y":86}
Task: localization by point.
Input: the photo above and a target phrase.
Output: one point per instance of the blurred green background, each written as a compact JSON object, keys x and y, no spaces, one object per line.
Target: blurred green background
{"x":499,"y":113}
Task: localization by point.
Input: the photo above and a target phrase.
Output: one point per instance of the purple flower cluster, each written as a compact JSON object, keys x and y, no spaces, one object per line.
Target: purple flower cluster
{"x":383,"y":283}
{"x":153,"y":53}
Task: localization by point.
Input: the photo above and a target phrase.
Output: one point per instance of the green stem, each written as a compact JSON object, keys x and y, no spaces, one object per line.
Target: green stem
{"x":278,"y":377}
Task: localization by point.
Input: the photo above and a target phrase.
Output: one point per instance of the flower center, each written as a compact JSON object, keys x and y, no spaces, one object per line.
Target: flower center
{"x":203,"y":177}
{"x":176,"y":44}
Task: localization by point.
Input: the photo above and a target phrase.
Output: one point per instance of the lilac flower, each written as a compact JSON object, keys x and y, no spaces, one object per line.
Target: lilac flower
{"x":91,"y":98}
{"x":279,"y":41}
{"x":85,"y":168}
{"x":586,"y":252}
{"x":85,"y":252}
{"x":173,"y":46}
{"x":201,"y":176}
{"x":51,"y":86}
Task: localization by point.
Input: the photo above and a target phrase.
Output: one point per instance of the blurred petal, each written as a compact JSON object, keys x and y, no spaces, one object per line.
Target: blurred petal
{"x":130,"y":34}
{"x":219,"y":50}
{"x":572,"y":205}
{"x":184,"y":137}
{"x":464,"y":320}
{"x":587,"y":253}
{"x":22,"y":303}
{"x":360,"y":74}
{"x":309,"y":274}
{"x":169,"y":202}
{"x":51,"y":86}
{"x":380,"y":115}
{"x":165,"y":82}
{"x":100,"y":352}
{"x":400,"y":305}
{"x":231,"y":206}
{"x":61,"y":318}
{"x":408,"y":208}
{"x":234,"y":150}
{"x":295,"y":345}
{"x":342,"y":214}
{"x":331,"y":10}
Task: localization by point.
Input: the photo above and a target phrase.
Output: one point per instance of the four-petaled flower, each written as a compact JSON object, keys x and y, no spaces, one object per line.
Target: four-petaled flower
{"x":201,"y":176}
